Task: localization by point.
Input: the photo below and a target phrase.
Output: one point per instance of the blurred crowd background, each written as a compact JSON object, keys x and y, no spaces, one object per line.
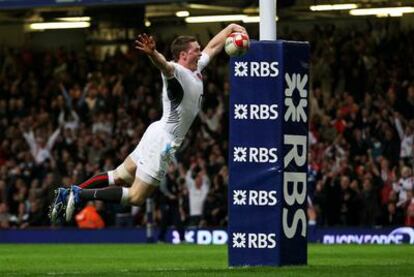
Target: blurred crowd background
{"x":68,"y":115}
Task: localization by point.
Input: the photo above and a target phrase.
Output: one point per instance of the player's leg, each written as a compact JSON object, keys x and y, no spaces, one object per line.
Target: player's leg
{"x":134,"y":195}
{"x":123,"y":175}
{"x":139,"y":192}
{"x":152,"y":156}
{"x":97,"y":188}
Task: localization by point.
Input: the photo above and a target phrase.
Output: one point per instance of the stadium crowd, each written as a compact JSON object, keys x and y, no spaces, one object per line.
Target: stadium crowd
{"x":68,"y":115}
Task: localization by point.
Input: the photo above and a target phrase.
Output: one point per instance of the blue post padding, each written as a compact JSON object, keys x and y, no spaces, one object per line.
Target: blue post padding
{"x":267,"y":146}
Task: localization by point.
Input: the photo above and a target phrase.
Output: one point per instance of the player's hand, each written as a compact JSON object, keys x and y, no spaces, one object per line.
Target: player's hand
{"x":237,"y":28}
{"x":145,"y":44}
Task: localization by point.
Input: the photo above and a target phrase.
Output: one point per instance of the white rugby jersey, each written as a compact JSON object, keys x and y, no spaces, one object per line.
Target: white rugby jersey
{"x":402,"y":187}
{"x":181,"y":98}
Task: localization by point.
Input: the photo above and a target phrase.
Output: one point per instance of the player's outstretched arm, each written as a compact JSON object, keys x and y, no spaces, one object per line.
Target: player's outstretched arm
{"x":146,"y":44}
{"x":215,"y":45}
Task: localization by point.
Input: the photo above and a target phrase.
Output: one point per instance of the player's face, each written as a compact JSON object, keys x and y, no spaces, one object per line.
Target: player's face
{"x":193,"y":54}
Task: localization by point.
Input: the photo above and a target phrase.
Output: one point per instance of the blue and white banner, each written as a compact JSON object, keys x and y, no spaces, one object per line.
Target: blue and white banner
{"x":268,"y":154}
{"x":396,"y":235}
{"x":344,"y":235}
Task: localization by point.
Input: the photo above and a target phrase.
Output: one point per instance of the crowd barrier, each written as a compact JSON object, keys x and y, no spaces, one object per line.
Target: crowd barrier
{"x":396,"y":235}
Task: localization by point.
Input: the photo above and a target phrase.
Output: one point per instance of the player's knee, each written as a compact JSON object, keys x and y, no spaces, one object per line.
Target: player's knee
{"x":122,"y":176}
{"x":135,"y":197}
{"x":136,"y":200}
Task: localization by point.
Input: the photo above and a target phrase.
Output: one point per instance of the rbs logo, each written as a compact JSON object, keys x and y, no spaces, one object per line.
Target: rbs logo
{"x":254,"y":155}
{"x":256,"y":69}
{"x":252,"y":240}
{"x":294,"y":177}
{"x":254,"y":198}
{"x":254,"y":111}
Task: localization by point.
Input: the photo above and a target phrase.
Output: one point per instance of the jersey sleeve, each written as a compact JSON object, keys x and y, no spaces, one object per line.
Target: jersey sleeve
{"x":174,"y":65}
{"x":178,"y":71}
{"x":203,"y":61}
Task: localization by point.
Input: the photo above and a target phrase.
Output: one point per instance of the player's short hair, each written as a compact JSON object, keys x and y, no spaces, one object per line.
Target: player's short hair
{"x":180,"y":44}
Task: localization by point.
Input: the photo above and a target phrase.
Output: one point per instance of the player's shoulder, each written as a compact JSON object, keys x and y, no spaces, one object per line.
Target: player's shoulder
{"x":205,"y":58}
{"x":205,"y":55}
{"x":178,"y":68}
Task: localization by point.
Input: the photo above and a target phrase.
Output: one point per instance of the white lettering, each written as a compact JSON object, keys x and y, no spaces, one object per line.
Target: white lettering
{"x":253,"y":152}
{"x":263,"y":156}
{"x":189,"y":236}
{"x":290,"y":231}
{"x":262,"y":198}
{"x":256,"y":155}
{"x":328,"y":239}
{"x":252,"y":241}
{"x":294,"y":178}
{"x":220,"y":237}
{"x":358,"y":239}
{"x":254,"y":69}
{"x":273,"y":112}
{"x":297,"y":142}
{"x":264,"y":69}
{"x":272,"y":241}
{"x":343,"y":239}
{"x":272,"y":198}
{"x":254,"y":112}
{"x":274,"y":69}
{"x":398,"y":239}
{"x":264,"y":111}
{"x":262,"y":240}
{"x":273,"y":155}
{"x":204,"y":237}
{"x":253,"y":197}
{"x":365,"y":238}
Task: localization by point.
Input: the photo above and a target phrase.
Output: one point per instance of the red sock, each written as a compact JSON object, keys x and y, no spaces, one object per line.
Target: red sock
{"x":97,"y":181}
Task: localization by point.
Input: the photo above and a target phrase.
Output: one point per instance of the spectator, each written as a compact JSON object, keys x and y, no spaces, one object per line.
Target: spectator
{"x":198,"y":186}
{"x":89,"y":218}
{"x":407,"y":139}
{"x":39,"y":148}
{"x":409,"y":221}
{"x":403,"y":187}
{"x":69,"y":119}
{"x":35,"y":215}
{"x":170,"y":205}
{"x":369,"y":203}
{"x":215,"y":204}
{"x":4,"y":216}
{"x":391,"y":217}
{"x":349,"y":203}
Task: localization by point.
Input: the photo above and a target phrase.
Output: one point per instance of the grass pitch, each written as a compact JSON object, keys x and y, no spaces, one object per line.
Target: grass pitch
{"x":194,"y":260}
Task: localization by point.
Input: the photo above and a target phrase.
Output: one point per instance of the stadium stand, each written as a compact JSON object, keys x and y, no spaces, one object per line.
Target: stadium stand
{"x":68,"y":115}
